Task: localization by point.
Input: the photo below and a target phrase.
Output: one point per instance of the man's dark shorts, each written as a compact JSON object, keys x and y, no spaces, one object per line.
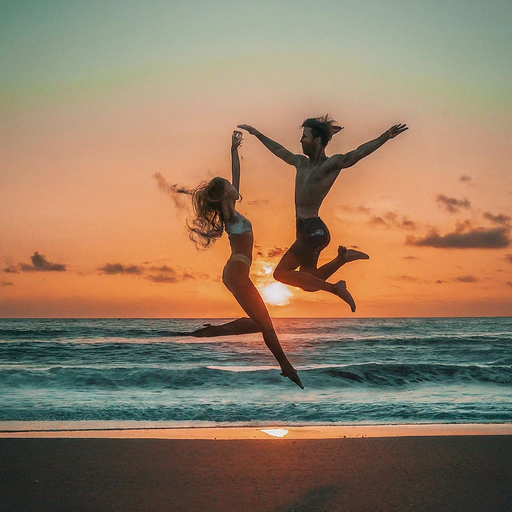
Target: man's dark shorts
{"x":312,"y":237}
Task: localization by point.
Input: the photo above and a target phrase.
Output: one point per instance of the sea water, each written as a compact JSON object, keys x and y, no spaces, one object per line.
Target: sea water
{"x":355,"y":371}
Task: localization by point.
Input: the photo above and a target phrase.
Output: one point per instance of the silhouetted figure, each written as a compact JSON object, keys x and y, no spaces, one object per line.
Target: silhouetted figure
{"x":316,"y":174}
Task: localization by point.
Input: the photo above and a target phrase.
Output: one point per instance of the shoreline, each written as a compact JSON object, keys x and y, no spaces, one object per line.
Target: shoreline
{"x":269,"y":431}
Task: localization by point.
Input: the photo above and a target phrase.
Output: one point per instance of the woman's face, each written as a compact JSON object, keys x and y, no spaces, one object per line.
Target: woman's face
{"x":230,"y":192}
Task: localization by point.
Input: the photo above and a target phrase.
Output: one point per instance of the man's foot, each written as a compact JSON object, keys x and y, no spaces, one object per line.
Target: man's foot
{"x":340,"y":289}
{"x":348,"y":255}
{"x":292,"y":375}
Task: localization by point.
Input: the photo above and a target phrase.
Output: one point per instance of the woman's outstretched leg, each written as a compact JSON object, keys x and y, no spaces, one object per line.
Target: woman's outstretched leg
{"x":233,"y":328}
{"x":236,"y":278}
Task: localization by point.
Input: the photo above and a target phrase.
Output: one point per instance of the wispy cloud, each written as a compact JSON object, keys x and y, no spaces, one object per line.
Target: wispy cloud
{"x":166,"y":274}
{"x":269,"y":252}
{"x":508,"y":257}
{"x":500,"y":219}
{"x":157,"y":274}
{"x":392,"y":220}
{"x":452,"y":205}
{"x":465,"y":179}
{"x":408,"y":279}
{"x":257,"y":202}
{"x":466,"y":279}
{"x":176,"y":192}
{"x":355,"y":209}
{"x":39,"y":264}
{"x":377,"y":221}
{"x":119,"y":268}
{"x":7,"y":283}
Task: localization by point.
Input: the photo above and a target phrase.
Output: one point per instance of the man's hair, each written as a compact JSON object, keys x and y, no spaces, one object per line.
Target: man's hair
{"x":322,"y":127}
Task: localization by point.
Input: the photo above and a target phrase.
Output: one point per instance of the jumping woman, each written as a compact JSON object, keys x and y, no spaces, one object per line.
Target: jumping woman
{"x":214,"y":205}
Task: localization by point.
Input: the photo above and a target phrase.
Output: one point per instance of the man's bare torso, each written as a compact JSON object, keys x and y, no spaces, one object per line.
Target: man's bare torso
{"x":312,"y":183}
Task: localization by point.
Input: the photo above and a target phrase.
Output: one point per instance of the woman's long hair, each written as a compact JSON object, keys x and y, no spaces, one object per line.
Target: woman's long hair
{"x":208,"y":225}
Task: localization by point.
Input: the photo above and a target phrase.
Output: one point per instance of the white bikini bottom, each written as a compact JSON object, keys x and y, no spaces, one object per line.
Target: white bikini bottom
{"x":241,"y":257}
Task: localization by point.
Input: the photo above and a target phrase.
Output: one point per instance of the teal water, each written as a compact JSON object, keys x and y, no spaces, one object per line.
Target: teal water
{"x":371,"y":371}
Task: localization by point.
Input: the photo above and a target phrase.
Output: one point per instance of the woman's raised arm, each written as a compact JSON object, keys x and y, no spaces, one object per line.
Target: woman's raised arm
{"x":236,"y":142}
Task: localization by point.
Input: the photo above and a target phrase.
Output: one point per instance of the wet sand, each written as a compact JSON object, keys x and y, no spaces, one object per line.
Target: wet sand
{"x":391,"y":468}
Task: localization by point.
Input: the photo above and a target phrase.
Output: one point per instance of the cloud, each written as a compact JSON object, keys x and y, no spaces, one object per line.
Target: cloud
{"x":175,"y":192}
{"x":166,"y":274}
{"x":451,"y":204}
{"x":467,"y":279}
{"x":509,"y":283}
{"x":7,"y":283}
{"x":465,"y":179}
{"x":257,"y":202}
{"x":475,"y":238}
{"x":409,"y":279}
{"x":355,"y":209}
{"x":39,"y":264}
{"x":378,"y":222}
{"x":273,"y":252}
{"x":118,"y":268}
{"x":156,"y":274}
{"x":508,"y":257}
{"x":392,"y":220}
{"x":410,"y":258}
{"x":500,"y":219}
{"x":269,"y":252}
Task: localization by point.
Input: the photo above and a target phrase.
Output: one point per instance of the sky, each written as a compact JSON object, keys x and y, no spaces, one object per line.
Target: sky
{"x":98,"y":97}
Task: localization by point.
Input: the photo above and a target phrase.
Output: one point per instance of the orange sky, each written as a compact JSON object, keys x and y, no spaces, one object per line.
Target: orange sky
{"x":94,"y":102}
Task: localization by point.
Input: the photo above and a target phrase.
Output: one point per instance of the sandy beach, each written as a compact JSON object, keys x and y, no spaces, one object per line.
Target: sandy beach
{"x":388,"y":468}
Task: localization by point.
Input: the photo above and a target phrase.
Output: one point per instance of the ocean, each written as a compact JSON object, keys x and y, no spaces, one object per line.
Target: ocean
{"x":355,"y":371}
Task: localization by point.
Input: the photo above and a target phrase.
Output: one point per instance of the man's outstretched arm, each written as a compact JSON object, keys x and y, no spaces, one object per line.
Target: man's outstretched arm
{"x":367,"y":148}
{"x":273,"y":146}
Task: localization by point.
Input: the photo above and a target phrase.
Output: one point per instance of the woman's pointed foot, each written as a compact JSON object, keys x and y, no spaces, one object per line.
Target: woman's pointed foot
{"x":340,"y":289}
{"x":293,"y":376}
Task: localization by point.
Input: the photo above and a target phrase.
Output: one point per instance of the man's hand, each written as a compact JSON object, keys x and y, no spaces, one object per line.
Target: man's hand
{"x":396,"y":130}
{"x":236,"y":140}
{"x":248,"y":128}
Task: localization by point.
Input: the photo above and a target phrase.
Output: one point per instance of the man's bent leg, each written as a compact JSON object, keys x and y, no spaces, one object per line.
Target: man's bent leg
{"x":285,"y":273}
{"x":344,"y":256}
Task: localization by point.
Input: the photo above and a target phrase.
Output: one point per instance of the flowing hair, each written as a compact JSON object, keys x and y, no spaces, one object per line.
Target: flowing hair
{"x":208,"y":225}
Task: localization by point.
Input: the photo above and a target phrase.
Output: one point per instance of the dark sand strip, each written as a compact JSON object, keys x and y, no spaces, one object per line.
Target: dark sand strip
{"x":459,"y":473}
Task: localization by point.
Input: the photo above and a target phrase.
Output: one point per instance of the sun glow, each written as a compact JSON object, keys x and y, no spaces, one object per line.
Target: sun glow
{"x":273,"y":292}
{"x":276,"y":294}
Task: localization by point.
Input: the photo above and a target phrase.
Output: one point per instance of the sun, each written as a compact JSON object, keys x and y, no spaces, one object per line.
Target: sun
{"x":276,"y":294}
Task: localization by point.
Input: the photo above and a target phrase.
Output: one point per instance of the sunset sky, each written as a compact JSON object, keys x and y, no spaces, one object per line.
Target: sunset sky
{"x":96,"y":97}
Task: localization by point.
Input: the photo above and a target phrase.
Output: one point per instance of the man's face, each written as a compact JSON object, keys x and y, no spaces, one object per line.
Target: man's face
{"x":308,"y":142}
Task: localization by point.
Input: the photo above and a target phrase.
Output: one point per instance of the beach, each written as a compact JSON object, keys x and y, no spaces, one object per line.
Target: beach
{"x":134,"y":415}
{"x":350,"y":468}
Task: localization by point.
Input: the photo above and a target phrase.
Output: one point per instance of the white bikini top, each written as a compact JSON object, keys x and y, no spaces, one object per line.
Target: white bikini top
{"x":241,"y":225}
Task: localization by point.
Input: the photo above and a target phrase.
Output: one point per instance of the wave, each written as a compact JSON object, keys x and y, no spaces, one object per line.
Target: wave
{"x":372,"y":375}
{"x":247,"y":413}
{"x":49,"y":334}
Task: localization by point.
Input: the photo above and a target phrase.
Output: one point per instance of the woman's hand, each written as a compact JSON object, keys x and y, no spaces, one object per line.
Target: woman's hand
{"x":236,"y":140}
{"x":248,"y":128}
